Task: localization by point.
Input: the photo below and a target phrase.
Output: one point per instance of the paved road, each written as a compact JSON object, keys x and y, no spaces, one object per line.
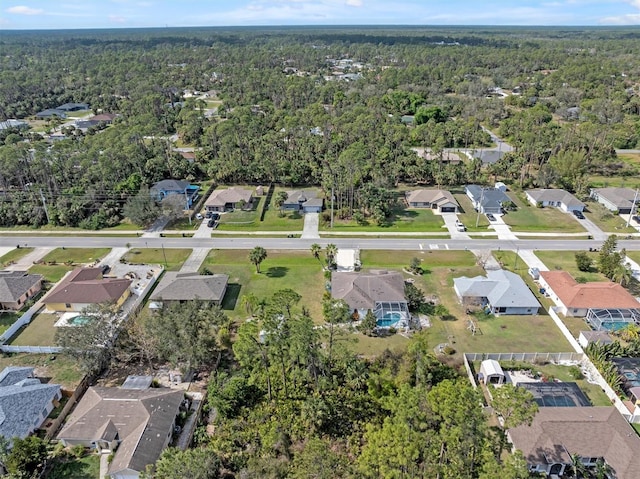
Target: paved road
{"x":399,"y":244}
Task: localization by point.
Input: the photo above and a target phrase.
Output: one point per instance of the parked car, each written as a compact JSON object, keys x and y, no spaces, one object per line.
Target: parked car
{"x":578,"y":214}
{"x":461,"y":227}
{"x":215,"y":216}
{"x":209,"y":214}
{"x":199,"y":216}
{"x":636,"y":218}
{"x":490,"y":217}
{"x":211,"y":223}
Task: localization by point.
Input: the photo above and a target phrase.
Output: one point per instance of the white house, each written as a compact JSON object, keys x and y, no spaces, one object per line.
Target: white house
{"x":555,"y":197}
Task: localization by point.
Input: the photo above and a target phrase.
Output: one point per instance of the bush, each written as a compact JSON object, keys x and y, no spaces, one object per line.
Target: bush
{"x":449,"y":350}
{"x":78,"y":451}
{"x":392,"y":330}
{"x":575,"y":373}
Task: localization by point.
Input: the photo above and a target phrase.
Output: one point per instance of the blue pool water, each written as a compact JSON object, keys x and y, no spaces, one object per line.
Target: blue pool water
{"x":389,"y":319}
{"x":79,"y":320}
{"x":613,"y":325}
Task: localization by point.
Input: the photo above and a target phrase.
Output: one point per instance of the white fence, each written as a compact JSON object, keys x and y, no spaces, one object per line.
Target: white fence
{"x":30,"y":349}
{"x":21,"y":321}
{"x":527,"y":357}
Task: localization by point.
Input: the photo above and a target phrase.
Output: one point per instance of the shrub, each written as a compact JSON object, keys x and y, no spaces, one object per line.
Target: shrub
{"x":78,"y":451}
{"x":575,"y":373}
{"x":449,"y":350}
{"x":392,"y":330}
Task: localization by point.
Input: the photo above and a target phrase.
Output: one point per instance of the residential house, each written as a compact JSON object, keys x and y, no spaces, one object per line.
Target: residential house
{"x":487,"y":200}
{"x":84,"y":287}
{"x":577,"y":299}
{"x":97,"y":120}
{"x":377,"y":290}
{"x":488,"y":157}
{"x":616,"y":199}
{"x":304,"y":201}
{"x":135,"y":425}
{"x":16,"y":287}
{"x":500,"y":292}
{"x":13,"y":124}
{"x":228,"y":199}
{"x":73,"y":107}
{"x":180,"y":287}
{"x":51,"y":112}
{"x":592,"y":433}
{"x":165,"y":188}
{"x":554,"y":197}
{"x":25,"y":402}
{"x":441,"y":201}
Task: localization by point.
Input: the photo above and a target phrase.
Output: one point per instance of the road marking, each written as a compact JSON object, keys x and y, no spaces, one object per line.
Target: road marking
{"x":434,"y":246}
{"x":421,"y":247}
{"x":446,"y":246}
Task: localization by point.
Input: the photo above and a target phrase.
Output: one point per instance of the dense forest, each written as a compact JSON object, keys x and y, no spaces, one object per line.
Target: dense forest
{"x":283,"y":114}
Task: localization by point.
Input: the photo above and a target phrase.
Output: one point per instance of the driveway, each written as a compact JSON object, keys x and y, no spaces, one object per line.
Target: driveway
{"x":113,"y":256}
{"x":593,"y":229}
{"x":450,"y":222}
{"x":503,"y":229}
{"x":154,"y":230}
{"x":529,"y":257}
{"x":29,"y":260}
{"x":311,"y":221}
{"x":203,"y":230}
{"x":194,"y":261}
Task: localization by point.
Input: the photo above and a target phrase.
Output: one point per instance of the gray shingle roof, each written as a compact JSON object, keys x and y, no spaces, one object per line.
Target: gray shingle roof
{"x":553,"y":194}
{"x":501,"y":288}
{"x":621,"y":197}
{"x":14,"y":284}
{"x":191,"y":286}
{"x":488,"y":197}
{"x":363,"y":290}
{"x":170,"y":185}
{"x":22,"y":401}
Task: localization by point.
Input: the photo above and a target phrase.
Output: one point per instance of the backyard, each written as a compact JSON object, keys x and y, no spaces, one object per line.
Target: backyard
{"x":86,"y":467}
{"x":39,"y":332}
{"x":57,"y":368}
{"x":171,"y":258}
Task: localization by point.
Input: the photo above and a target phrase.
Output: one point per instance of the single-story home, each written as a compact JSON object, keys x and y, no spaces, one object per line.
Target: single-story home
{"x":165,"y":188}
{"x":73,"y":107}
{"x":25,"y":402}
{"x":487,"y":200}
{"x":377,"y":290}
{"x":616,"y":199}
{"x":135,"y":425}
{"x":305,"y":201}
{"x":84,"y":287}
{"x":101,"y":119}
{"x":16,"y":287}
{"x":228,"y":199}
{"x":576,"y":299}
{"x":440,"y":200}
{"x":51,"y":112}
{"x":555,"y":197}
{"x":488,"y":157}
{"x":13,"y":124}
{"x":501,"y":292}
{"x":600,"y":337}
{"x":181,"y":287}
{"x":491,"y":372}
{"x":592,"y":433}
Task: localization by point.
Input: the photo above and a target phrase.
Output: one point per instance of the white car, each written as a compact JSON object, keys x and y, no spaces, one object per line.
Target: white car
{"x":199,"y":216}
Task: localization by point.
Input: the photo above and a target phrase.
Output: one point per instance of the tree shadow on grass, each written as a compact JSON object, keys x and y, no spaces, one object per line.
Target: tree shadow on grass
{"x":231,"y":296}
{"x":70,"y":470}
{"x":277,"y":272}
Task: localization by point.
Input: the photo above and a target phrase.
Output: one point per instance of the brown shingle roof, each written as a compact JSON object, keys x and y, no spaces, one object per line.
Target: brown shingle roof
{"x":576,"y":295}
{"x":556,"y":433}
{"x":363,"y":290}
{"x":86,"y":285}
{"x":230,"y":195}
{"x":430,"y":196}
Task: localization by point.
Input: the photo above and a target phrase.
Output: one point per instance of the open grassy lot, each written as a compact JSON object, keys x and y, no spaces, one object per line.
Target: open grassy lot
{"x":297,"y":270}
{"x":39,"y":332}
{"x":606,"y":220}
{"x":430,"y":259}
{"x":87,"y":467}
{"x":59,"y":368}
{"x":531,"y":218}
{"x":75,"y":255}
{"x":414,"y":220}
{"x":370,"y":347}
{"x":565,"y":260}
{"x":14,"y":255}
{"x":598,"y":181}
{"x":171,"y":258}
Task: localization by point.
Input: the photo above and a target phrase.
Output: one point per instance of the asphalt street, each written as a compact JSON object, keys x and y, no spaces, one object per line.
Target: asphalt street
{"x":399,"y":244}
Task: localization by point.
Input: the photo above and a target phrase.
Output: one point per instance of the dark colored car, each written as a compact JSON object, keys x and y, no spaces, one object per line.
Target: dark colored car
{"x":211,"y":223}
{"x":636,"y":218}
{"x":490,"y":217}
{"x":209,"y":214}
{"x":578,"y":214}
{"x":215,"y":216}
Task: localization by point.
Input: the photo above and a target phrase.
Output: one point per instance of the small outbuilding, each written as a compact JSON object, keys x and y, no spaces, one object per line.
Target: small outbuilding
{"x":491,"y":372}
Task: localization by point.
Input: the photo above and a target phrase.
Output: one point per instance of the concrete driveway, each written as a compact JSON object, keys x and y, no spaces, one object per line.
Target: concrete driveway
{"x":591,"y":227}
{"x":311,"y":222}
{"x":502,"y":228}
{"x":450,"y":222}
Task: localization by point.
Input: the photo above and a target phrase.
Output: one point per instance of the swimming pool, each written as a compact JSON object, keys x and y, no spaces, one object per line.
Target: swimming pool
{"x":389,"y":319}
{"x":613,"y":325}
{"x":79,"y":320}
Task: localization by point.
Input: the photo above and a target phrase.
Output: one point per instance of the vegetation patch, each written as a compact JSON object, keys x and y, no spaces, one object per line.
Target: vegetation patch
{"x":171,"y":258}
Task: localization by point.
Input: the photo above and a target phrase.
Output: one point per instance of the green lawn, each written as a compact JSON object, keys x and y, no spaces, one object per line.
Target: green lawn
{"x":430,"y":259}
{"x":531,"y":218}
{"x":598,"y":181}
{"x":6,"y":320}
{"x":87,"y":467}
{"x":14,"y":255}
{"x":39,"y":332}
{"x":606,"y":220}
{"x":469,"y":216}
{"x":370,"y":347}
{"x":565,"y":261}
{"x":60,"y":368}
{"x":75,"y":255}
{"x":51,"y":273}
{"x":406,"y":220}
{"x":171,"y":258}
{"x":282,"y":269}
{"x":243,"y":220}
{"x":634,"y":255}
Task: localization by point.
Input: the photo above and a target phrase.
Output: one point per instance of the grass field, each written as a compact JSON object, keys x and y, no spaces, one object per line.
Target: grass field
{"x":565,"y":261}
{"x":282,"y":269}
{"x":59,"y":368}
{"x":404,"y":220}
{"x":605,"y":220}
{"x":87,"y":467}
{"x":469,"y":216}
{"x":62,"y":260}
{"x":14,"y":255}
{"x":51,"y":273}
{"x":530,"y":218}
{"x":171,"y":258}
{"x":39,"y":332}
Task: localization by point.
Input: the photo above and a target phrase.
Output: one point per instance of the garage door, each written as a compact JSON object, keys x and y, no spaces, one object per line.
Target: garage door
{"x":448,"y":209}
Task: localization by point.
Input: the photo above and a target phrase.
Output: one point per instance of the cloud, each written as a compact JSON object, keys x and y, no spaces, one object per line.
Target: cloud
{"x":629,"y":19}
{"x":117,"y":19}
{"x":24,"y":10}
{"x":354,"y":3}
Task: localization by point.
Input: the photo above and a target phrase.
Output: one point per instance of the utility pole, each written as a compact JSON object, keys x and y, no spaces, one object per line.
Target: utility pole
{"x":635,"y":199}
{"x":44,"y":205}
{"x":186,"y":205}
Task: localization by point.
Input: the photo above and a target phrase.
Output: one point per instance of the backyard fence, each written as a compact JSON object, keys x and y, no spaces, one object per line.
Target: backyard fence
{"x":527,"y":357}
{"x":30,"y":349}
{"x":20,"y":322}
{"x":52,"y":428}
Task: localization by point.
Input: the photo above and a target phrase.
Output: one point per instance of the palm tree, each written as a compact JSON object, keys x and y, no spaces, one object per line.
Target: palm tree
{"x":622,"y":274}
{"x":257,"y":256}
{"x":603,"y":470}
{"x":315,"y":251}
{"x":331,"y":252}
{"x":578,"y":469}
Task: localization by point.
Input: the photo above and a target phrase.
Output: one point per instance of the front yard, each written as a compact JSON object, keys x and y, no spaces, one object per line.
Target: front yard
{"x":606,"y":220}
{"x":62,"y":260}
{"x":171,"y":258}
{"x":402,"y":220}
{"x":566,"y":261}
{"x":13,"y":256}
{"x":529,"y":218}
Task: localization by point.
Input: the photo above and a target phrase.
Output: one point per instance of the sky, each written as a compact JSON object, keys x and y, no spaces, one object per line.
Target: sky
{"x":63,"y":14}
